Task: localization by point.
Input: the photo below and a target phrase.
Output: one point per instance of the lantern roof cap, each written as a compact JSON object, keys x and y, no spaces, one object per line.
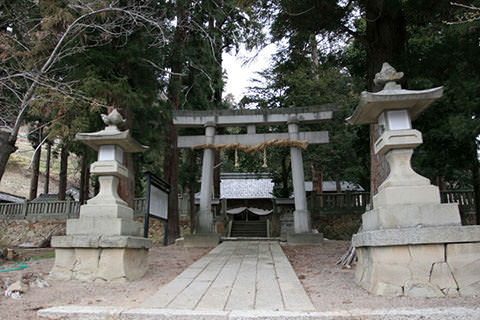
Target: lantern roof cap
{"x":392,"y":97}
{"x":111,"y":135}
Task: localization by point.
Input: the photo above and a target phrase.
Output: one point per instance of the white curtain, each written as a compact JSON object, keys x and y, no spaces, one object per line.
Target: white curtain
{"x":236,"y":210}
{"x":259,"y":212}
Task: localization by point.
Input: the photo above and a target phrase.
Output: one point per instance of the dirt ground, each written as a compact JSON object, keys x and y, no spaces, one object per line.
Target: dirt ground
{"x":165,"y":263}
{"x":329,"y":286}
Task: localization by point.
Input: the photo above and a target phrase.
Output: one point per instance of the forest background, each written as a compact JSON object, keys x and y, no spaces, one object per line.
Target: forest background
{"x":63,"y":63}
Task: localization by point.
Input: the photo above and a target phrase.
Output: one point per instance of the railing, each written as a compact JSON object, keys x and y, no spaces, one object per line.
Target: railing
{"x":40,"y":210}
{"x":43,"y":210}
{"x":355,"y":202}
{"x":326,"y":203}
{"x":139,"y":210}
{"x":464,"y":198}
{"x":332,"y":203}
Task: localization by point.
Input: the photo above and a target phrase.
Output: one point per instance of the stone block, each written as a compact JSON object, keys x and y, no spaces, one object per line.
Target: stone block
{"x":103,"y":226}
{"x":468,"y":275}
{"x":89,"y":241}
{"x":106,"y":211}
{"x":470,"y":290}
{"x":427,"y":253}
{"x":121,"y":265}
{"x":387,"y":289}
{"x":201,"y":240}
{"x":413,"y":236}
{"x":62,"y":267}
{"x":464,"y":262}
{"x":406,"y":195}
{"x":395,"y":274}
{"x":304,"y":239}
{"x":412,"y":215}
{"x":390,"y":255}
{"x":461,"y":254}
{"x":413,"y":288}
{"x":86,"y":264}
{"x":442,"y":277}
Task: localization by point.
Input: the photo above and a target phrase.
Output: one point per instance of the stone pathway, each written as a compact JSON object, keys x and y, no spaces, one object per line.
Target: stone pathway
{"x":236,"y":275}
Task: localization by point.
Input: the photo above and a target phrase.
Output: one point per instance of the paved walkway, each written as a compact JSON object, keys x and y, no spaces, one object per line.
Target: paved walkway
{"x":236,"y":275}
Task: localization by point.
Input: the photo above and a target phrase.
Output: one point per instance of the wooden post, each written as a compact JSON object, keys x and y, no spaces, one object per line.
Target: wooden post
{"x":68,"y":208}
{"x":25,"y":209}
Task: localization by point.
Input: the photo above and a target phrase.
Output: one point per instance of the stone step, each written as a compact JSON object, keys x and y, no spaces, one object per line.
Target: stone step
{"x":248,"y":235}
{"x":119,"y":313}
{"x":260,"y":228}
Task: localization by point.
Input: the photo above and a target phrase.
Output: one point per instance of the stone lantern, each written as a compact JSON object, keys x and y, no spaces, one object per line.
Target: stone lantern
{"x":105,"y":242}
{"x":410,"y":243}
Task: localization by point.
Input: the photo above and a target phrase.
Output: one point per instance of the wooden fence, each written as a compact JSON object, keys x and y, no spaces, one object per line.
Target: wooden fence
{"x":58,"y":209}
{"x":338,"y":203}
{"x":356,"y":202}
{"x":324,"y":204}
{"x":41,"y":210}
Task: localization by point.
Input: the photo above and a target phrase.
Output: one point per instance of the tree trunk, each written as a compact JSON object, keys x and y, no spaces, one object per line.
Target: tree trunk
{"x":476,"y":184}
{"x":126,"y":186}
{"x":7,"y":147}
{"x":386,"y":39}
{"x":191,"y":188}
{"x":216,"y":175}
{"x":338,"y":184}
{"x":315,"y":59}
{"x":83,"y":178}
{"x":285,"y":192}
{"x":62,"y":186}
{"x":35,"y":170}
{"x":46,"y":185}
{"x":174,"y":94}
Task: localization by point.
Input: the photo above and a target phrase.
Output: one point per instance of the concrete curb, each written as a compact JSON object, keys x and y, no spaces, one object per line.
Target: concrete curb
{"x":118,"y":313}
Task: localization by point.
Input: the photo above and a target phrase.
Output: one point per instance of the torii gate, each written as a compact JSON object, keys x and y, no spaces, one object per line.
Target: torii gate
{"x":211,"y":119}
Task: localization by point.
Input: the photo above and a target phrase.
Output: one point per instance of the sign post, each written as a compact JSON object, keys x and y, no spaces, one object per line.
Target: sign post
{"x":156,"y":203}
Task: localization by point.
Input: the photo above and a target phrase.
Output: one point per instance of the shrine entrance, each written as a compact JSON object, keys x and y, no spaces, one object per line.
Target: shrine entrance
{"x":253,"y":141}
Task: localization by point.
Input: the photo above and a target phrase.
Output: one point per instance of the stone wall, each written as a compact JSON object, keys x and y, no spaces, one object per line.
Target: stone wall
{"x":432,"y":270}
{"x":17,"y":232}
{"x":337,"y":227}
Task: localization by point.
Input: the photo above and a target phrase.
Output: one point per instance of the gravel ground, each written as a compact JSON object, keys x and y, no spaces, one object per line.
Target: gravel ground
{"x":329,"y":286}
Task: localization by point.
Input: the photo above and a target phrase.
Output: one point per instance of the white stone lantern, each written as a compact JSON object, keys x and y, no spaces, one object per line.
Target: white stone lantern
{"x":409,"y":243}
{"x":105,"y":242}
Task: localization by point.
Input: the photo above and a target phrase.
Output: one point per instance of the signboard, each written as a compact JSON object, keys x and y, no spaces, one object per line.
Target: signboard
{"x":156,"y":202}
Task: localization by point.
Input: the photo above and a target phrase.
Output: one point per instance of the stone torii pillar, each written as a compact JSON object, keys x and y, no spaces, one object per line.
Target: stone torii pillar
{"x":302,"y":220}
{"x":205,"y":217}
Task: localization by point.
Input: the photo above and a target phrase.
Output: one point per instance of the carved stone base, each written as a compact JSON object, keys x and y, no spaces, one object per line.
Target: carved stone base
{"x":116,"y":259}
{"x":426,"y":270}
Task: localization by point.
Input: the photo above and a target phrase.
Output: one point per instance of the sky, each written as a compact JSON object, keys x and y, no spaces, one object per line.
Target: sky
{"x":240,"y":74}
